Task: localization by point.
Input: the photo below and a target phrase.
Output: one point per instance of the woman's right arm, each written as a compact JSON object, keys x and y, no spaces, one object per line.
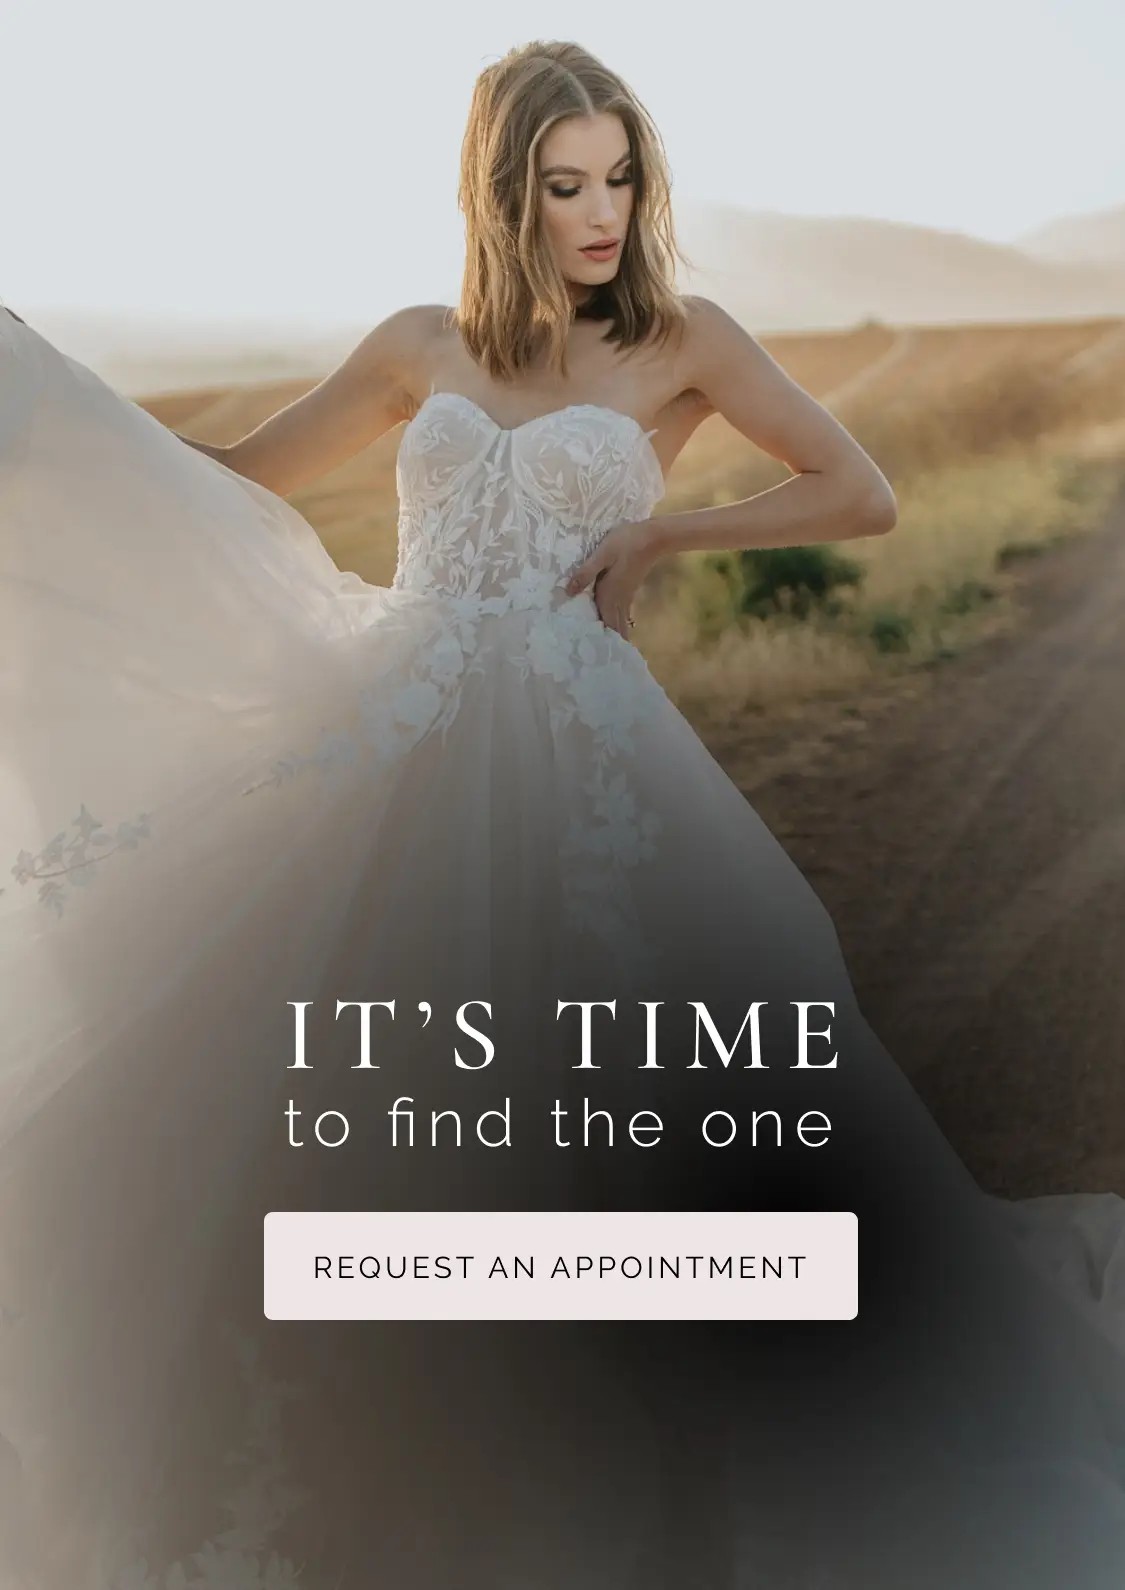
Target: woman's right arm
{"x":365,"y":396}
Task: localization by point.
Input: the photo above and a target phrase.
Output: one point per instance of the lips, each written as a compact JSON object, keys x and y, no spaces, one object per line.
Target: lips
{"x":601,"y":250}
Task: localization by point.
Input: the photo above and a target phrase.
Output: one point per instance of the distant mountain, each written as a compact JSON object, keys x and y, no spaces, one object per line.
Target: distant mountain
{"x":778,"y":272}
{"x":773,"y":272}
{"x":1090,"y":238}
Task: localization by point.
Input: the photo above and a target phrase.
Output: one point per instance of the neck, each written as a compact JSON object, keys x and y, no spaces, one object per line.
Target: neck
{"x":586,"y":306}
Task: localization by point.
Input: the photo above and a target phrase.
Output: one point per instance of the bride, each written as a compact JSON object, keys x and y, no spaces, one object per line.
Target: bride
{"x":239,"y":785}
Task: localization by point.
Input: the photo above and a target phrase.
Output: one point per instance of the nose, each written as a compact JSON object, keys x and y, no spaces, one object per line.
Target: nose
{"x":602,"y":212}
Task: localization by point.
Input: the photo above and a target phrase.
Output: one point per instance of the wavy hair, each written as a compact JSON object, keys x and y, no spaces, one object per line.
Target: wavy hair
{"x":514,"y":297}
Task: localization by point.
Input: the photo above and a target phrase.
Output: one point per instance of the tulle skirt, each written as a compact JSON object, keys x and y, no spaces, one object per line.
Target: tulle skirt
{"x":244,"y":794}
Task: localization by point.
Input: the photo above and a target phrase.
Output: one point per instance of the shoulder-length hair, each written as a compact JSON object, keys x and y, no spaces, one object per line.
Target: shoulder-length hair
{"x":513,"y":294}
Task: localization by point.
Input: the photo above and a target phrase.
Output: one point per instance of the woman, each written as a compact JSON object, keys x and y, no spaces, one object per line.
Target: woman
{"x":290,"y":793}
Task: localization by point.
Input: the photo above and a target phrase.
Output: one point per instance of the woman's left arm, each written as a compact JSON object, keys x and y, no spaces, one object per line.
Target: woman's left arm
{"x":835,"y":493}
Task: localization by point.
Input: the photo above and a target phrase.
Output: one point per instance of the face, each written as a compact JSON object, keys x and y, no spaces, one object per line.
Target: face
{"x":587,"y":196}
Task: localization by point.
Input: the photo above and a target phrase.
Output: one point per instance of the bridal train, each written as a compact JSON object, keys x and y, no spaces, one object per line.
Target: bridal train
{"x":235,"y":778}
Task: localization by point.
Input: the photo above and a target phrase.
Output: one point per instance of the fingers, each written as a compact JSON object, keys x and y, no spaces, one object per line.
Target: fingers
{"x":585,"y":574}
{"x":607,"y":606}
{"x":617,"y":618}
{"x":611,"y":610}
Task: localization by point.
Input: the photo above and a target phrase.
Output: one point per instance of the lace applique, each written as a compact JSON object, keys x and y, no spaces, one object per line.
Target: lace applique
{"x":66,"y":864}
{"x":503,"y":515}
{"x":606,"y":691}
{"x":491,"y":522}
{"x":416,"y":692}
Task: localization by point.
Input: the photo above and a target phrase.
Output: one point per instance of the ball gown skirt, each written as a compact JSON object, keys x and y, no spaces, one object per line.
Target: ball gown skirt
{"x":235,"y":780}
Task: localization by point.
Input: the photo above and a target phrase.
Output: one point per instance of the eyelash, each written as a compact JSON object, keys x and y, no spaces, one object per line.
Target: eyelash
{"x":613,"y":182}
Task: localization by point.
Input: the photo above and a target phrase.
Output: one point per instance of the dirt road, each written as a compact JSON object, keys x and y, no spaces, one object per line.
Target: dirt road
{"x":968,"y":836}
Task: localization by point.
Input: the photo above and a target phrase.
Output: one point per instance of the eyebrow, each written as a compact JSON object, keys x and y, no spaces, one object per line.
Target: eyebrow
{"x":576,"y":171}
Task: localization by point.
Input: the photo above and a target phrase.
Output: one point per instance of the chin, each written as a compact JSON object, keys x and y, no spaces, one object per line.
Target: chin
{"x":598,"y":275}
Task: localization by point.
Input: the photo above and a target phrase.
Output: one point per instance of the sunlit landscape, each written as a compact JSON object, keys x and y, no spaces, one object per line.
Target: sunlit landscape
{"x":999,"y":440}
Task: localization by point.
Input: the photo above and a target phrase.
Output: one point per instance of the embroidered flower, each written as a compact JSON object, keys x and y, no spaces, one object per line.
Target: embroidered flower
{"x":491,"y":523}
{"x":67,"y":863}
{"x":530,"y":587}
{"x":606,"y":701}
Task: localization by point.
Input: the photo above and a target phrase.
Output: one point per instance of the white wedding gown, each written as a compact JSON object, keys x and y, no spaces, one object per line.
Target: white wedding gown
{"x":234,"y":777}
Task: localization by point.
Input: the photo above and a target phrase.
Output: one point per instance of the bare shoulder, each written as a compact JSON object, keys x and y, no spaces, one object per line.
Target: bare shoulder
{"x":403,"y":345}
{"x":712,"y":336}
{"x":705,"y":341}
{"x":741,"y":380}
{"x":726,"y":363}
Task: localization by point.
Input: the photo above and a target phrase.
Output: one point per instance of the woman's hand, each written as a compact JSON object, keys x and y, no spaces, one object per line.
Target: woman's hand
{"x":616,"y":568}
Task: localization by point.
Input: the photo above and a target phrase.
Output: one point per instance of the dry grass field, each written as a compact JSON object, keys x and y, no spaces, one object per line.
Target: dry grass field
{"x":999,"y":440}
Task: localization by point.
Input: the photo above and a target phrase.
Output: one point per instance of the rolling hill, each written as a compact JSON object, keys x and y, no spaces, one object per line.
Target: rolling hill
{"x":774,"y":272}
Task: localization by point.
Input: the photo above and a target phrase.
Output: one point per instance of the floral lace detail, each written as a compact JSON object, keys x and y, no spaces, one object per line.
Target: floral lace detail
{"x":607,"y":689}
{"x":491,"y":522}
{"x":67,"y":864}
{"x":416,"y":697}
{"x":500,"y":515}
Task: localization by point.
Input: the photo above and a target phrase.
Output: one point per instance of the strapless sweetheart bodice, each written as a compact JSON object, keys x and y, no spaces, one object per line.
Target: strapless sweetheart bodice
{"x":496,"y":518}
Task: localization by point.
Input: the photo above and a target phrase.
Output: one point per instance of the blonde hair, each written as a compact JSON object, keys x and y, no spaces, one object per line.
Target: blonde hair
{"x":513,"y":294}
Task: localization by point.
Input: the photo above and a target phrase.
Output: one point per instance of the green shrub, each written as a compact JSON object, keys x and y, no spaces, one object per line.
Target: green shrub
{"x":890,"y":630}
{"x":794,"y":580}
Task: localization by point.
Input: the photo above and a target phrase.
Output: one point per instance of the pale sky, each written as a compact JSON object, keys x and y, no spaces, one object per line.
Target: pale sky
{"x":297,"y":159}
